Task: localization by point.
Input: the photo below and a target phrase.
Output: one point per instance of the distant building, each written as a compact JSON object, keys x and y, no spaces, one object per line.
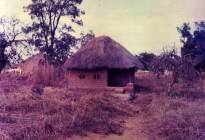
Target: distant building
{"x":38,"y":70}
{"x":14,"y":69}
{"x":31,"y":65}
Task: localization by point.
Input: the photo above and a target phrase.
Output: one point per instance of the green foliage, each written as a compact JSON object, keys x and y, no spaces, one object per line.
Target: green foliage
{"x":86,"y":37}
{"x":132,"y":96}
{"x":10,"y":43}
{"x":146,"y":59}
{"x":194,"y":43}
{"x":48,"y":32}
{"x":37,"y":90}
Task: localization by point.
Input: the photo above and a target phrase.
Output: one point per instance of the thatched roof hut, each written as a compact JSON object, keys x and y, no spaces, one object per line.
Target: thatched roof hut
{"x":106,"y":57}
{"x":30,"y":65}
{"x":40,"y":72}
{"x":103,"y":52}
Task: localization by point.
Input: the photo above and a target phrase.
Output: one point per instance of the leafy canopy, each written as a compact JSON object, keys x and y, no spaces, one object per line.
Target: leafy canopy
{"x":50,"y":32}
{"x":194,"y":43}
{"x":146,"y":59}
{"x":12,"y":46}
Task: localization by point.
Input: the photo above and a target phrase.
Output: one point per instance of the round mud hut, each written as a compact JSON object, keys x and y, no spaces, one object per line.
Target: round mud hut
{"x":102,"y":62}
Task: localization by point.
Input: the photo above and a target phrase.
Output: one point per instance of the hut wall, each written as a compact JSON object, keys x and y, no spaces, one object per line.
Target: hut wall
{"x":120,"y":77}
{"x":92,"y":78}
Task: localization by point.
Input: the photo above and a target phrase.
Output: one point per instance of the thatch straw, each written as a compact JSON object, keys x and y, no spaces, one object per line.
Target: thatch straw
{"x":31,"y":64}
{"x":102,"y":52}
{"x":40,"y":72}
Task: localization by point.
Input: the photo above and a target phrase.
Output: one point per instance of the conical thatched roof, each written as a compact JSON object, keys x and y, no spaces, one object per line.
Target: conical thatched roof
{"x":31,"y":64}
{"x":102,"y":52}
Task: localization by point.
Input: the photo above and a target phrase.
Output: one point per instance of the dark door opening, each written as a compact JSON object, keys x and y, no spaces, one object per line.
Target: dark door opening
{"x":120,"y":77}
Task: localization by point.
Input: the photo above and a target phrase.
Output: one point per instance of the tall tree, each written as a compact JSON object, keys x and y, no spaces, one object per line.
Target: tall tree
{"x":50,"y":31}
{"x":194,"y":43}
{"x":11,"y":44}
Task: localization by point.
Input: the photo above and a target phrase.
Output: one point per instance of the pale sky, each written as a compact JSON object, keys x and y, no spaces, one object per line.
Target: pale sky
{"x":138,"y":25}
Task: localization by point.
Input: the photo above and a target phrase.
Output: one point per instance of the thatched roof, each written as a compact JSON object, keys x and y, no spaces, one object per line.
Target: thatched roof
{"x":31,"y":64}
{"x":102,"y":52}
{"x":36,"y":58}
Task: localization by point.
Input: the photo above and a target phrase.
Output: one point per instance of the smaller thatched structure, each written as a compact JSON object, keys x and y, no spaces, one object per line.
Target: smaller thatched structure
{"x":102,"y":62}
{"x":40,"y":71}
{"x":31,"y":65}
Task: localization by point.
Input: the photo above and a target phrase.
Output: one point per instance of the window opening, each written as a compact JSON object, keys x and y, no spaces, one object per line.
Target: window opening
{"x":96,"y":76}
{"x":82,"y":76}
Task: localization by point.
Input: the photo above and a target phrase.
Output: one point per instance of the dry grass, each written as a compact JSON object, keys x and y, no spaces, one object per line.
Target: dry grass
{"x":179,"y":116}
{"x":148,"y":82}
{"x":11,"y":82}
{"x":49,"y":75}
{"x":58,"y":113}
{"x":61,"y":113}
{"x":177,"y":119}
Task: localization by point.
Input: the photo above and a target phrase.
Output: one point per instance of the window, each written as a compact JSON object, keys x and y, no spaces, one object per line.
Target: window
{"x":82,"y":76}
{"x":96,"y":76}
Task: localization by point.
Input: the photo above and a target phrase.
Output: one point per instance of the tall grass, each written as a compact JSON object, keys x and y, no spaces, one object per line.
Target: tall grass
{"x":49,"y":75}
{"x":150,"y":83}
{"x":178,"y":116}
{"x":177,"y":119}
{"x":58,"y":113}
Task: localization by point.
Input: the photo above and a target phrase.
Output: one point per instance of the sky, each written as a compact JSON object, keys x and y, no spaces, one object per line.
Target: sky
{"x":138,"y":25}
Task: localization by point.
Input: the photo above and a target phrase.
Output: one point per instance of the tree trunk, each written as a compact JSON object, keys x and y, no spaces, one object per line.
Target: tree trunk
{"x":3,"y":45}
{"x":2,"y":65}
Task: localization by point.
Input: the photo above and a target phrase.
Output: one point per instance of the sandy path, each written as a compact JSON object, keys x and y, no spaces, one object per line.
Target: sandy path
{"x":133,"y":127}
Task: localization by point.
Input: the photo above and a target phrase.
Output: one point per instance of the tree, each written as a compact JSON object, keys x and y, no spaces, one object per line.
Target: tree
{"x":49,"y":34}
{"x":10,"y":41}
{"x":146,"y":59}
{"x":3,"y":45}
{"x":194,"y":43}
{"x":180,"y":67}
{"x":85,"y":38}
